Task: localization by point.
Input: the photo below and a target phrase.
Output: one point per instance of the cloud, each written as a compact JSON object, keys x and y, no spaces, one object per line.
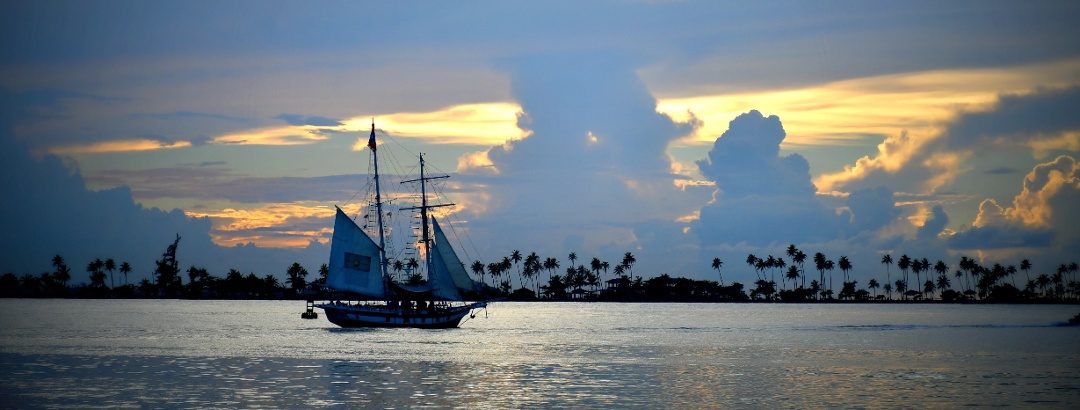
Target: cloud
{"x":935,"y":224}
{"x":872,"y":209}
{"x":296,"y":119}
{"x":746,"y":160}
{"x":592,"y":168}
{"x":51,"y":212}
{"x":1042,"y":118}
{"x":762,"y":198}
{"x":187,"y":115}
{"x":1041,"y":215}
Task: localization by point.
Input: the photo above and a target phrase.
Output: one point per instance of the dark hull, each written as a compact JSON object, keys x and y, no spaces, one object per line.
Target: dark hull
{"x":345,"y":315}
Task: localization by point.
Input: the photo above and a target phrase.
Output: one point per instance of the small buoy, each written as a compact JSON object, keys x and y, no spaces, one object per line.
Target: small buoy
{"x":310,"y":313}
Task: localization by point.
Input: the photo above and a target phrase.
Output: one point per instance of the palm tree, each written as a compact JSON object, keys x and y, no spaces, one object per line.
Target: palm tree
{"x":903,"y":264}
{"x":110,"y":266}
{"x":917,"y":267}
{"x":605,"y":265}
{"x":753,"y":262}
{"x":873,"y":285}
{"x":296,"y":277}
{"x":799,"y":258}
{"x":793,"y":274}
{"x":819,"y":263}
{"x":888,"y":290}
{"x":717,"y":264}
{"x":125,"y":268}
{"x":478,"y":269}
{"x":63,"y":273}
{"x":629,"y":260}
{"x":494,"y":270}
{"x":550,"y":265}
{"x":943,"y":281}
{"x":516,"y":257}
{"x":1025,"y":265}
{"x":572,"y":257}
{"x":770,"y":263}
{"x":845,"y":265}
{"x":780,"y":264}
{"x":887,"y":260}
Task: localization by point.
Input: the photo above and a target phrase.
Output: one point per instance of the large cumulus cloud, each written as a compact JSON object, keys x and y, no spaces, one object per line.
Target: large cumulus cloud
{"x":762,"y":197}
{"x":593,"y":172}
{"x":1042,"y":215}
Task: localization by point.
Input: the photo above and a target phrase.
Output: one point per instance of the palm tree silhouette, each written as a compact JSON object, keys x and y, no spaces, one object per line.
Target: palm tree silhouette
{"x":799,"y":258}
{"x":125,"y":268}
{"x":478,"y":269}
{"x":629,"y":260}
{"x":110,"y":266}
{"x":1025,"y":265}
{"x":793,"y":275}
{"x":873,"y":285}
{"x":516,"y":257}
{"x":717,"y":264}
{"x":845,"y":265}
{"x":753,"y":262}
{"x":903,"y":264}
{"x":887,"y":260}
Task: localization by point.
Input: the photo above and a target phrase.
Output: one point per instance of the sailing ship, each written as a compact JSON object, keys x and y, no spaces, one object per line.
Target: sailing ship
{"x":359,"y":266}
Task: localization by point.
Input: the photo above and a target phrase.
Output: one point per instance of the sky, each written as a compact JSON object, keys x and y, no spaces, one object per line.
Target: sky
{"x":679,"y":131}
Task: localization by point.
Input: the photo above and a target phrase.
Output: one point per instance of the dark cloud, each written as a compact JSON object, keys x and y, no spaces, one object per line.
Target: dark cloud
{"x":1001,"y":171}
{"x":872,"y":209}
{"x":935,"y":224}
{"x":49,"y":211}
{"x":188,"y":115}
{"x":297,"y":119}
{"x":1042,"y":114}
{"x":1001,"y":237}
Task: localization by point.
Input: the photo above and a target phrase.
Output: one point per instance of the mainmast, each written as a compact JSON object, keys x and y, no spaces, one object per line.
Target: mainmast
{"x":378,"y":209}
{"x":424,"y":224}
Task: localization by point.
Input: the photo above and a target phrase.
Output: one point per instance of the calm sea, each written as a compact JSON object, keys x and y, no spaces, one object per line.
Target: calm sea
{"x":230,"y":354}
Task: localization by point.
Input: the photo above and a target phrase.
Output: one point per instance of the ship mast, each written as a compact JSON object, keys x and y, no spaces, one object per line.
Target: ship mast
{"x":425,"y":230}
{"x":378,"y":209}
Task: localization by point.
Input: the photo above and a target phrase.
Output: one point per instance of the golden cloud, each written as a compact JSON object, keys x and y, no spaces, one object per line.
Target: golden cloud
{"x":842,"y":112}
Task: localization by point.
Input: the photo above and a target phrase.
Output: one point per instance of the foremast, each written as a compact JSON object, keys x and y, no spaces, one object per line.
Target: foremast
{"x":383,"y":264}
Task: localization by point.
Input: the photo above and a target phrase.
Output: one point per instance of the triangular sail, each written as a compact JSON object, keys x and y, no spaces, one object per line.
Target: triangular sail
{"x":354,"y":260}
{"x":451,"y":272}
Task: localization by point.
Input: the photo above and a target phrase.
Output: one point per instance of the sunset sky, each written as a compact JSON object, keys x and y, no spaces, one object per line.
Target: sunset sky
{"x":679,"y":131}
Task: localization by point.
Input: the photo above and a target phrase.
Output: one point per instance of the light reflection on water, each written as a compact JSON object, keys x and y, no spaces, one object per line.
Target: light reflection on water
{"x":136,"y":353}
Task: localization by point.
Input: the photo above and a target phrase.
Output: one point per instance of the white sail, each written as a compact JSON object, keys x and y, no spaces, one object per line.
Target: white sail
{"x":354,"y":260}
{"x":451,"y":272}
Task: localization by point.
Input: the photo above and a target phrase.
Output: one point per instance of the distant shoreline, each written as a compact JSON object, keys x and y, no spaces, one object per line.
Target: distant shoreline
{"x":642,"y":301}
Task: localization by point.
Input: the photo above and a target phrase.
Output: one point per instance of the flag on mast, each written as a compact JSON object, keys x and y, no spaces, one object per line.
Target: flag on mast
{"x":371,"y":140}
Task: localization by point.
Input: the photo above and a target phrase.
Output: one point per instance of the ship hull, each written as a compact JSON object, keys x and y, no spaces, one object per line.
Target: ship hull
{"x":354,"y":316}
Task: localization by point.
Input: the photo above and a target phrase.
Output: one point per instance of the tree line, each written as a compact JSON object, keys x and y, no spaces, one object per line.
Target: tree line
{"x":166,"y":281}
{"x":530,"y":277}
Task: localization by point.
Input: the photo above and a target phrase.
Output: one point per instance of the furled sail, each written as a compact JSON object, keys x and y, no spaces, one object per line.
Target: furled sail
{"x":450,"y":272}
{"x":354,"y":260}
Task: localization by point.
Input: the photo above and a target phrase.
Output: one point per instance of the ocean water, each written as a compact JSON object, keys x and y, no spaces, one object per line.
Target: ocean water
{"x":232,"y":354}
